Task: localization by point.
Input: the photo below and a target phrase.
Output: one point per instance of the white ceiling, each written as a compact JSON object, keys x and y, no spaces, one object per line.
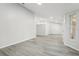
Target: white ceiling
{"x":52,"y":9}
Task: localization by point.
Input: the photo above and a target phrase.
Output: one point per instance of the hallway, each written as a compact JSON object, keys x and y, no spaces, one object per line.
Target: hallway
{"x":51,"y":45}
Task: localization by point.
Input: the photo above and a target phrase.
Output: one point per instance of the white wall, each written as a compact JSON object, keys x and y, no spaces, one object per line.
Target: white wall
{"x":16,"y":24}
{"x":42,"y":26}
{"x":55,"y":28}
{"x":73,"y":43}
{"x":48,"y":26}
{"x":42,"y":29}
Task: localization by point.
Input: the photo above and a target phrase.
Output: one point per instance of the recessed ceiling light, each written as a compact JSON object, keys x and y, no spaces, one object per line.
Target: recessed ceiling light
{"x":39,"y":3}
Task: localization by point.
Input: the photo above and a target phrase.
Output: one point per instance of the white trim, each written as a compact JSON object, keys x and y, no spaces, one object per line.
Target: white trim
{"x":19,"y":41}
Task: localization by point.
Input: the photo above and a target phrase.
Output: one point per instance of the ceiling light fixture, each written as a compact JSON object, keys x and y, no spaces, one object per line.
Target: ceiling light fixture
{"x":39,"y":4}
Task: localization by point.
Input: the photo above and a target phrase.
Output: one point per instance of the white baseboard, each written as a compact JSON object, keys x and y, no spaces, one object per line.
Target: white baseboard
{"x":71,"y":45}
{"x":16,"y":42}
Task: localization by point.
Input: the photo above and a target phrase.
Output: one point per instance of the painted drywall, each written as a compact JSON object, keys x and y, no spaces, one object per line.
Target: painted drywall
{"x":48,"y":26}
{"x":55,"y":28}
{"x":42,"y":29}
{"x":73,"y":43}
{"x":41,"y":26}
{"x":16,"y":24}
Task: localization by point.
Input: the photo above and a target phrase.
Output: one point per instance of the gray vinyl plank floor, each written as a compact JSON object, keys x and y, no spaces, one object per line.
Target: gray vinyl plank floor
{"x":50,"y":45}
